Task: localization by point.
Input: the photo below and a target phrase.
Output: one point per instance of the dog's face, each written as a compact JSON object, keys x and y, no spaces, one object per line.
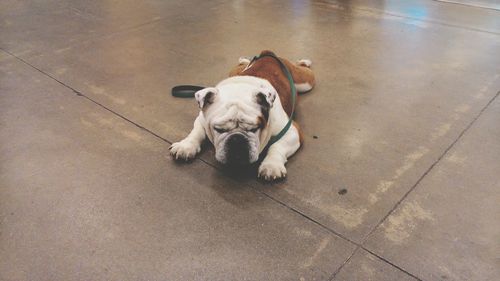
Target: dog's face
{"x":236,"y":120}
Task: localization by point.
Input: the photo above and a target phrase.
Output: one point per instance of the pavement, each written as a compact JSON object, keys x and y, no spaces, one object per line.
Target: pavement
{"x":398,"y":179}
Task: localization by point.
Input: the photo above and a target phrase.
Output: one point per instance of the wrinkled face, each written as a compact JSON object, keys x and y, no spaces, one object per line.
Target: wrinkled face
{"x":236,"y":121}
{"x":236,"y":137}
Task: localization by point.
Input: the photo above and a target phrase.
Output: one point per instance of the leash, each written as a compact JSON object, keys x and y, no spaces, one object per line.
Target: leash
{"x":185,"y":91}
{"x":188,"y":91}
{"x":294,"y":95}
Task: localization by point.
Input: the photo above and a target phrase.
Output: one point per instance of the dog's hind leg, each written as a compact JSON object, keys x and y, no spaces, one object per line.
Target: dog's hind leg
{"x":242,"y":64}
{"x":302,"y":74}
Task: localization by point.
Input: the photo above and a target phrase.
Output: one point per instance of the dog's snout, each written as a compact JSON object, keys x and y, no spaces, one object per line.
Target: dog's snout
{"x":237,"y":140}
{"x":237,"y":149}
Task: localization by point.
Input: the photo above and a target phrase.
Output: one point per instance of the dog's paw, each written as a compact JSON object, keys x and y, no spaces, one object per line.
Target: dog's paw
{"x":244,"y":60}
{"x":305,"y":62}
{"x":272,"y":170}
{"x":184,"y":150}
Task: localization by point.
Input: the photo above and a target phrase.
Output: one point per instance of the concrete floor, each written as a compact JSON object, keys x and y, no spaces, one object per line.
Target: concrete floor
{"x":401,"y":182}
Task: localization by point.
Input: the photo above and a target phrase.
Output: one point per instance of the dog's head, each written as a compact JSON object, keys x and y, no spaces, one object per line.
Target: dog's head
{"x":236,"y":119}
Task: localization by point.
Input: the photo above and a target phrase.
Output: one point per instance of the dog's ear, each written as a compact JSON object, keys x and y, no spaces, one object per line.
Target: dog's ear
{"x":206,"y":96}
{"x":266,"y":99}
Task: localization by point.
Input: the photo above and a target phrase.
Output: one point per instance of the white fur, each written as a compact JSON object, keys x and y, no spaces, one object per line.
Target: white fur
{"x":191,"y":145}
{"x":303,"y":87}
{"x":243,"y":60}
{"x":273,"y":166}
{"x":234,"y":105}
{"x":201,"y":94}
{"x":305,"y":62}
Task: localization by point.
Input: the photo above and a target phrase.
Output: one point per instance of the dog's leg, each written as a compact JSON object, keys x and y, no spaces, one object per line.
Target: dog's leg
{"x":273,"y":166}
{"x":187,"y":148}
{"x":305,"y":80}
{"x":302,"y":74}
{"x":242,"y":64}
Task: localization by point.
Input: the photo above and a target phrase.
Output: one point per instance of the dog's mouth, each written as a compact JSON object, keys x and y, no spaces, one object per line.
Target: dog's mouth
{"x":237,"y":151}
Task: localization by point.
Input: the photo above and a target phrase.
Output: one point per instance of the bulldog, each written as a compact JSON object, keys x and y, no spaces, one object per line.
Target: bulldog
{"x":241,"y":114}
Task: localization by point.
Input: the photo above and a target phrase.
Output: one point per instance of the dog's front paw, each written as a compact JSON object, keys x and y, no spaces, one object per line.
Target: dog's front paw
{"x":272,"y":170}
{"x":184,"y":150}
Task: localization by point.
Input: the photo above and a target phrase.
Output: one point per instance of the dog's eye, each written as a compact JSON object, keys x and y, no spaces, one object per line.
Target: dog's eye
{"x":254,"y":130}
{"x":219,"y":130}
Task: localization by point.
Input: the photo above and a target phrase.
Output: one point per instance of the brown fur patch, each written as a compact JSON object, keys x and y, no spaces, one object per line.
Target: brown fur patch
{"x":300,"y":73}
{"x":269,"y":69}
{"x":237,"y":70}
{"x":261,"y":122}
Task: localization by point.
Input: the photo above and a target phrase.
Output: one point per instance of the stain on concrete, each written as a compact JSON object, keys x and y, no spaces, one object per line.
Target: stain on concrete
{"x":382,"y":187}
{"x":486,"y":87}
{"x":61,"y":71}
{"x":86,"y":122}
{"x":354,"y":142}
{"x":446,"y":274}
{"x":346,"y":216}
{"x":303,"y":232}
{"x":349,"y":217}
{"x":104,"y":121}
{"x":385,"y":185}
{"x":102,"y":92}
{"x":62,"y":50}
{"x":98,"y":121}
{"x":131,"y":135}
{"x":400,"y":225}
{"x":322,"y":245}
{"x":463,"y":108}
{"x":440,"y":131}
{"x":410,"y":160}
{"x":456,"y":158}
{"x":369,"y":270}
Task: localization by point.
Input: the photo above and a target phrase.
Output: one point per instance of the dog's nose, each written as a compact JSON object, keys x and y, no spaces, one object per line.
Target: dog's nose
{"x":237,"y":149}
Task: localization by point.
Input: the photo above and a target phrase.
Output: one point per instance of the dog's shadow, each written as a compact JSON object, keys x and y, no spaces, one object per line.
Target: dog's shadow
{"x":248,"y":173}
{"x":234,"y":184}
{"x":240,"y":173}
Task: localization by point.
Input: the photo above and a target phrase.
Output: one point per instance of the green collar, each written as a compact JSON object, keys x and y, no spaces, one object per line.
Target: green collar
{"x":294,"y":97}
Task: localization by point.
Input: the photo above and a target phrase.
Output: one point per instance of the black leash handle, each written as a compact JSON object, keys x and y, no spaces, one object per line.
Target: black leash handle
{"x":186,"y":91}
